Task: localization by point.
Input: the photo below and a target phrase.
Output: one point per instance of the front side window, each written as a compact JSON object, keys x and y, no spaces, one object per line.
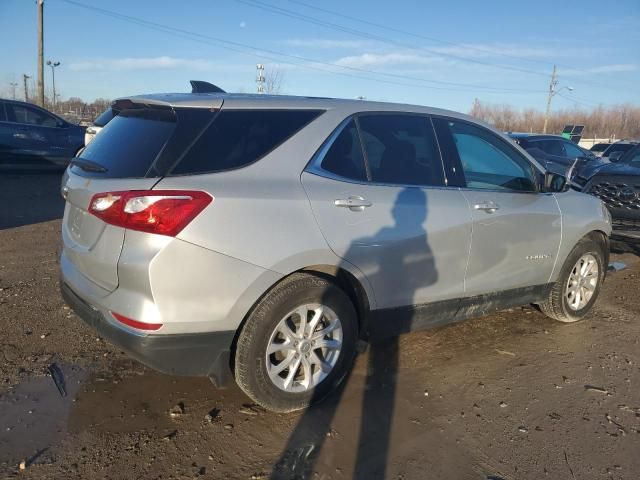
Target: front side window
{"x":487,"y":162}
{"x":30,"y":116}
{"x":401,"y":149}
{"x":344,"y":158}
{"x":572,"y":150}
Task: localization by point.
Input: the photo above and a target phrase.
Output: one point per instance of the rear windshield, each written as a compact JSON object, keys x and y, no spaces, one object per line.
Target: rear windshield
{"x":619,"y":147}
{"x":599,"y":147}
{"x":240,"y":137}
{"x":128,"y":145}
{"x":153,"y":142}
{"x":104,"y":118}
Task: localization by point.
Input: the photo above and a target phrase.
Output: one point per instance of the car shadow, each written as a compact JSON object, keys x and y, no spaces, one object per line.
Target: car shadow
{"x":303,"y":447}
{"x":29,"y":197}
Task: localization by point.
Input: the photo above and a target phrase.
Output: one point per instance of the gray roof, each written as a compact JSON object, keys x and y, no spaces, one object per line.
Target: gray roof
{"x":245,"y":100}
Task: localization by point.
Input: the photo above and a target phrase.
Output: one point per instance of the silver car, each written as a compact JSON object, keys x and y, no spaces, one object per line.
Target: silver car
{"x":261,"y":238}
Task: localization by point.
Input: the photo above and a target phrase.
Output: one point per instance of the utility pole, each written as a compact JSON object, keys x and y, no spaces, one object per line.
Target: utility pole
{"x":26,"y":77}
{"x":53,"y":66}
{"x":13,"y":89}
{"x":41,"y":53}
{"x":552,"y":92}
{"x":260,"y":77}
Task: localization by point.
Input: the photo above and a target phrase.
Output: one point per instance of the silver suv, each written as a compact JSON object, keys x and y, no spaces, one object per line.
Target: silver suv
{"x":263,"y":237}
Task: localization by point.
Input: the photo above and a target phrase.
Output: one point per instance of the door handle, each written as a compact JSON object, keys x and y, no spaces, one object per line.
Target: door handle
{"x":489,"y":207}
{"x":353,"y":203}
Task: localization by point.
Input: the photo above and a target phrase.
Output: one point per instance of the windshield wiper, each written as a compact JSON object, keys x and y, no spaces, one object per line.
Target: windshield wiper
{"x":88,"y":165}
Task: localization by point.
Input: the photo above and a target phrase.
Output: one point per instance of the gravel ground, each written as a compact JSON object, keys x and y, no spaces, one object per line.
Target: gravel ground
{"x":506,"y":396}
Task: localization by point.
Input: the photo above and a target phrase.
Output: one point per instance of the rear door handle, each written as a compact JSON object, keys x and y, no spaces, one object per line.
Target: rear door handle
{"x":353,"y":203}
{"x":488,"y":207}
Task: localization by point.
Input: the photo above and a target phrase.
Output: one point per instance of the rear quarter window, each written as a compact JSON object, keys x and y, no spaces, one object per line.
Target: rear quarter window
{"x":237,"y":138}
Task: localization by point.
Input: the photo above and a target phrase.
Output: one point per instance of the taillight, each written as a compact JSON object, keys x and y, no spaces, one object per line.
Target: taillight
{"x":164,"y":212}
{"x":135,"y":323}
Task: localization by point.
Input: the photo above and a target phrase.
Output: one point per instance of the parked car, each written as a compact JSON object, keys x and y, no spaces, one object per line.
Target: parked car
{"x":619,"y":148}
{"x":554,"y":152}
{"x":618,"y":186}
{"x":259,"y":237}
{"x":98,"y":124}
{"x":599,"y":148}
{"x":32,"y":137}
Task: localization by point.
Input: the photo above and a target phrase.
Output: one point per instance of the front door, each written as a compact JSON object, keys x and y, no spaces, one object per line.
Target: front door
{"x":516,"y":229}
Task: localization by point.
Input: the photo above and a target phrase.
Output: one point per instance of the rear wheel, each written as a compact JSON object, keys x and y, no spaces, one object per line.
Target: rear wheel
{"x":297,"y":344}
{"x":578,"y":285}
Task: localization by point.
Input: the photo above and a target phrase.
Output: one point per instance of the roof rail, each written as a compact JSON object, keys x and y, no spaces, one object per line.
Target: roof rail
{"x":200,"y":86}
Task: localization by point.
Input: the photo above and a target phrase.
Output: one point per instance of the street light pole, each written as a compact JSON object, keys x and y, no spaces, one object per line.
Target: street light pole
{"x":26,"y":77}
{"x":13,"y":89}
{"x":53,"y":66}
{"x":40,"y":92}
{"x":552,"y":91}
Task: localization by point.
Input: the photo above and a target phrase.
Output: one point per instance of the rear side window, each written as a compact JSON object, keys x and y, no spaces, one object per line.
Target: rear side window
{"x":550,"y":147}
{"x":401,"y":149}
{"x":237,"y":138}
{"x":129,"y":144}
{"x":31,"y":116}
{"x":344,"y":158}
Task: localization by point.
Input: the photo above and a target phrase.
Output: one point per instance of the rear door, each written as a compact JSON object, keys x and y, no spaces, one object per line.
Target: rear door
{"x":516,"y":229}
{"x":386,"y":209}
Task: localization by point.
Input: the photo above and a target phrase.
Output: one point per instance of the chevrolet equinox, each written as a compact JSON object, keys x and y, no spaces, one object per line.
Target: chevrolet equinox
{"x":262,"y":237}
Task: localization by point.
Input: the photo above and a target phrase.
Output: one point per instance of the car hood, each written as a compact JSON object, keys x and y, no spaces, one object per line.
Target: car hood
{"x":618,"y":169}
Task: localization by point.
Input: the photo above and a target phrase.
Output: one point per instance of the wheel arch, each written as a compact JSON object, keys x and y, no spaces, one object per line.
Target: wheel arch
{"x":342,"y":277}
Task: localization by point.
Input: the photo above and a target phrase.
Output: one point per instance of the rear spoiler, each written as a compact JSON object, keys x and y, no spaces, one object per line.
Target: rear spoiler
{"x":200,"y":86}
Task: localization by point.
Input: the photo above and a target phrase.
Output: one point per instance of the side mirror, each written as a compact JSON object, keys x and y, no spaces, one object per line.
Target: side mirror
{"x":61,"y":123}
{"x":615,"y":156}
{"x":554,"y":182}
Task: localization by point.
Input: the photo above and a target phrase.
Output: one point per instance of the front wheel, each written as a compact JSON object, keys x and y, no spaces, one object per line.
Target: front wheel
{"x":297,"y":344}
{"x":578,"y":285}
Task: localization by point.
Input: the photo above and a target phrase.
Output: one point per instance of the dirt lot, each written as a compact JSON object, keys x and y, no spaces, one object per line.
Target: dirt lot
{"x":507,"y":396}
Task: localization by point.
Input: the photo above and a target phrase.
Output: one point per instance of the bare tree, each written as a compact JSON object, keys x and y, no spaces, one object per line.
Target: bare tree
{"x":274,"y":80}
{"x":616,"y":121}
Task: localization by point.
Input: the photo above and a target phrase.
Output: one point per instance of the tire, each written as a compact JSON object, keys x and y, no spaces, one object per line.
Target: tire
{"x":264,"y":328}
{"x":558,"y":304}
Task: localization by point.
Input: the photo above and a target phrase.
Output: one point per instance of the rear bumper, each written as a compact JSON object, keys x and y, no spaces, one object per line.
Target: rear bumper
{"x":192,"y":354}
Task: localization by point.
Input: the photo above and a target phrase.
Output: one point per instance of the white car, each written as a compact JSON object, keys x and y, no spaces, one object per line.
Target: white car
{"x":97,"y":125}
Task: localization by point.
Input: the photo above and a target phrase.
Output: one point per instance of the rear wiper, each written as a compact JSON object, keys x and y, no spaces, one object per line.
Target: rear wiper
{"x":88,"y":165}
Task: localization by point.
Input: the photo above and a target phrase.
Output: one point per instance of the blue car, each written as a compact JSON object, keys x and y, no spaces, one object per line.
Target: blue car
{"x":32,"y":137}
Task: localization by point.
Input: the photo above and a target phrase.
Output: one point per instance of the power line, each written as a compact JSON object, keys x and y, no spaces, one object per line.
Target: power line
{"x":306,"y":18}
{"x":236,"y":46}
{"x":424,"y":37}
{"x":584,"y":104}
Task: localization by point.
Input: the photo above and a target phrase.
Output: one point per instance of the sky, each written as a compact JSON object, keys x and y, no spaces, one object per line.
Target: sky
{"x":438,"y":53}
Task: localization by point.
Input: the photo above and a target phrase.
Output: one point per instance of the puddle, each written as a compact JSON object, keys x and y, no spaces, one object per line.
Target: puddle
{"x":33,"y":415}
{"x":616,"y":266}
{"x":108,"y":402}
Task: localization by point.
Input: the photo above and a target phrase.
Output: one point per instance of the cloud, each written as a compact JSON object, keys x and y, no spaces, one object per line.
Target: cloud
{"x":149,"y":63}
{"x":325,"y":43}
{"x":603,"y":69}
{"x":367,"y":60}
